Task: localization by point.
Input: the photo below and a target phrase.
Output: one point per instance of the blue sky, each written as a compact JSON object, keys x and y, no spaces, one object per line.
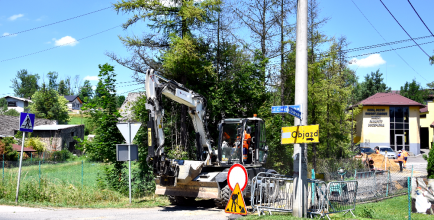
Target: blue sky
{"x":82,"y":58}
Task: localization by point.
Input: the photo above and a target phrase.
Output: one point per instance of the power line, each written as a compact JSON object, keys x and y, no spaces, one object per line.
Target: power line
{"x":431,"y":58}
{"x":55,"y":22}
{"x":383,"y":44}
{"x":386,"y":41}
{"x":392,"y":49}
{"x":404,"y":29}
{"x":60,"y":45}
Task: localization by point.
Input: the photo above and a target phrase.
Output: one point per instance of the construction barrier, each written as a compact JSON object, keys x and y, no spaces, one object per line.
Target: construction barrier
{"x":341,"y":197}
{"x":317,"y":197}
{"x":272,"y":192}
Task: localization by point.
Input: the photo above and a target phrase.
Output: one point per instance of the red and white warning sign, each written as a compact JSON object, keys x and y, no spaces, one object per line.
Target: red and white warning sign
{"x":237,"y":174}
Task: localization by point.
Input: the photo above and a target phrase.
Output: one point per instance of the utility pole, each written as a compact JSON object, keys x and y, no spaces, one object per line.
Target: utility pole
{"x":300,"y":150}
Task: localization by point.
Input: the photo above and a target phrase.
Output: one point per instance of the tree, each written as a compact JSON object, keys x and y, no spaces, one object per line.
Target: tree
{"x":52,"y":80}
{"x":63,"y":88}
{"x":25,"y":84}
{"x":120,"y":100}
{"x":414,"y":91}
{"x":36,"y":144}
{"x":430,"y":85}
{"x":372,"y":85}
{"x":47,"y":103}
{"x":3,"y":106}
{"x":86,"y":91}
{"x":6,"y":149}
{"x":430,"y":165}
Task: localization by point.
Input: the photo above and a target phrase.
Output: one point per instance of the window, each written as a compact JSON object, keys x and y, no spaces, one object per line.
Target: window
{"x":72,"y":134}
{"x":423,"y":116}
{"x":399,"y":126}
{"x":12,"y":104}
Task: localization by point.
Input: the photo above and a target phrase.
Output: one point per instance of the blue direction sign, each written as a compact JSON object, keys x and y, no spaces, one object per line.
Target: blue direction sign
{"x":27,"y":121}
{"x":294,"y":110}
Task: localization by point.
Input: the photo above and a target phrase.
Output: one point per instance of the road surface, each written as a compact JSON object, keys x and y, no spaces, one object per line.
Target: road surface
{"x":199,"y":211}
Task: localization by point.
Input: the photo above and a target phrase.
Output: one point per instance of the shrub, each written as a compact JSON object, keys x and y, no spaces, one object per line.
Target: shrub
{"x":61,"y":155}
{"x":430,"y":166}
{"x":36,"y":144}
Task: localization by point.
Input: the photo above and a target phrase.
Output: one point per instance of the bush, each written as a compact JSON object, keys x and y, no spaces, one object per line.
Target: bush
{"x":36,"y":144}
{"x":61,"y":155}
{"x":430,"y":166}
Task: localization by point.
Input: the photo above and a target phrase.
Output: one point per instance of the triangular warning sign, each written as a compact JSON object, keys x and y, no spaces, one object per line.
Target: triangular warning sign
{"x":236,"y":204}
{"x":27,"y":123}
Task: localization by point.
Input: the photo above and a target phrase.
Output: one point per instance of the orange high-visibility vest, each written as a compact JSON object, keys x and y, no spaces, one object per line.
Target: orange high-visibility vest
{"x":400,"y":157}
{"x":405,"y":153}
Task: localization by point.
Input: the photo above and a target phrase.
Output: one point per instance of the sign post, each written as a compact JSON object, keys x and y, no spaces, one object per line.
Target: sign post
{"x":27,"y":121}
{"x":237,"y":182}
{"x":128,"y":131}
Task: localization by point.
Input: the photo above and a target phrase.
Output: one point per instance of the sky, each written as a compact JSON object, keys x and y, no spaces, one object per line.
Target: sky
{"x":82,"y":56}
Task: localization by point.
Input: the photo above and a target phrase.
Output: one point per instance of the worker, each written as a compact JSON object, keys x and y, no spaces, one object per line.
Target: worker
{"x":246,"y":141}
{"x":400,"y":160}
{"x":405,"y":154}
{"x":377,"y":150}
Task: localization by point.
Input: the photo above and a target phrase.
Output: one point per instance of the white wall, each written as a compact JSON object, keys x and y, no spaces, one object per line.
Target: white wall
{"x":20,"y":104}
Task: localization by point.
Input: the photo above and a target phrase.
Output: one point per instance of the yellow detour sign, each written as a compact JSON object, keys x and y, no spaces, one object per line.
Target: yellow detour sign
{"x":300,"y":134}
{"x":236,"y":204}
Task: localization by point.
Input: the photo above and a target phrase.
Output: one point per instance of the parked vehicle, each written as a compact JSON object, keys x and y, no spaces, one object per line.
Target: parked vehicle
{"x":390,"y":152}
{"x":366,"y":150}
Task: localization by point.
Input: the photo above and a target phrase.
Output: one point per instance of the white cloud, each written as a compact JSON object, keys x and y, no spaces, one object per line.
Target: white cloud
{"x":93,"y":88}
{"x":370,"y":61}
{"x":15,"y":17}
{"x":91,"y":78}
{"x":65,"y":41}
{"x":9,"y":35}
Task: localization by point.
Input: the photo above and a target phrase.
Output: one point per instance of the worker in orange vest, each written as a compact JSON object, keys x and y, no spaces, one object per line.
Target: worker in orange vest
{"x":400,"y":160}
{"x":377,"y":151}
{"x":405,"y":155}
{"x":246,"y":141}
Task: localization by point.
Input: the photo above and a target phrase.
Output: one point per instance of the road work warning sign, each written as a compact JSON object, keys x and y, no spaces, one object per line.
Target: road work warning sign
{"x":300,"y":134}
{"x":236,"y":204}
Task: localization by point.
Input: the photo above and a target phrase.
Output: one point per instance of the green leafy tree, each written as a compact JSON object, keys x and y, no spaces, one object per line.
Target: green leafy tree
{"x":373,"y":84}
{"x":52,"y":80}
{"x":430,"y":85}
{"x":47,"y":103}
{"x":86,"y":91}
{"x":36,"y":144}
{"x":414,"y":91}
{"x":63,"y":88}
{"x":6,"y":149}
{"x":3,"y":106}
{"x":120,"y":100}
{"x":430,"y":165}
{"x":25,"y":84}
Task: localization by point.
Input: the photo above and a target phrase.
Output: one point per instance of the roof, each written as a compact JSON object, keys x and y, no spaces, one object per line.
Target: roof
{"x":424,"y":110}
{"x":17,"y":98}
{"x":25,"y":149}
{"x":71,"y":98}
{"x":389,"y":99}
{"x":52,"y":127}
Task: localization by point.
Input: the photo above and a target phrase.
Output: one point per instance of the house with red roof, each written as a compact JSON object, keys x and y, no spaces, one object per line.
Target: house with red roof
{"x":389,"y":119}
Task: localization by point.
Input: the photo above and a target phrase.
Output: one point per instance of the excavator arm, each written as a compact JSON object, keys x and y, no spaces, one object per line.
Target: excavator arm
{"x":156,"y":86}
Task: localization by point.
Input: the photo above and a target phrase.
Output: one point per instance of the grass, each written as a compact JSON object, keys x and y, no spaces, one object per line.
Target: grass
{"x":61,"y":185}
{"x":76,"y":119}
{"x":394,"y":208}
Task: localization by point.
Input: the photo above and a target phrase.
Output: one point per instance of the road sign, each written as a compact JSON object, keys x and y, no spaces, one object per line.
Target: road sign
{"x":294,"y":110}
{"x":300,"y":134}
{"x":236,"y":204}
{"x":237,"y":175}
{"x":27,"y":121}
{"x":123,"y":128}
{"x":122,"y":152}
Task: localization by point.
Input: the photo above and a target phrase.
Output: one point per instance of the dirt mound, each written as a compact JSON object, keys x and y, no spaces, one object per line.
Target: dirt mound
{"x":379,"y":161}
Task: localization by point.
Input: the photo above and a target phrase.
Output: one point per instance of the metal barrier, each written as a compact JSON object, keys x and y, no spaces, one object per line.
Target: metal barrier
{"x":341,"y":196}
{"x":317,"y":197}
{"x":271,"y":192}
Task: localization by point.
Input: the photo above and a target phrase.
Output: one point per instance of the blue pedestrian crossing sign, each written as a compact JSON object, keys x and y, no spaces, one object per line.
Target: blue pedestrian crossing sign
{"x":27,"y":121}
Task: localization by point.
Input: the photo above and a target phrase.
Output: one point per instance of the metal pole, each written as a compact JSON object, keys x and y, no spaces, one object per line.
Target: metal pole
{"x":299,"y":207}
{"x":129,"y":158}
{"x":313,"y":187}
{"x":409,"y":197}
{"x":3,"y":177}
{"x":39,"y":173}
{"x":388,"y":180}
{"x":19,"y":169}
{"x":82,"y":172}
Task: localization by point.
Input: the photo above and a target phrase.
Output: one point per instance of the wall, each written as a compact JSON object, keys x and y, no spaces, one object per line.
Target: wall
{"x":414,"y":125}
{"x":10,"y":124}
{"x":20,"y":104}
{"x":375,"y":126}
{"x":76,"y":105}
{"x":426,"y":122}
{"x":57,"y":140}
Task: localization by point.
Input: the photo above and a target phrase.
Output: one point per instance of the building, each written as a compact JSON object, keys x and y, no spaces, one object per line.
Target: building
{"x":427,"y":124}
{"x":19,"y":104}
{"x":59,"y":137}
{"x":74,"y":102}
{"x":9,"y":125}
{"x":389,"y":119}
{"x":125,"y":111}
{"x":26,"y":150}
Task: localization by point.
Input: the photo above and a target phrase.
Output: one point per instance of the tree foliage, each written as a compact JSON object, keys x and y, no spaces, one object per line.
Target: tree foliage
{"x":414,"y":91}
{"x":373,"y":84}
{"x":86,"y":91}
{"x":36,"y":144}
{"x":25,"y":84}
{"x":6,"y":149}
{"x":47,"y":103}
{"x":63,"y":88}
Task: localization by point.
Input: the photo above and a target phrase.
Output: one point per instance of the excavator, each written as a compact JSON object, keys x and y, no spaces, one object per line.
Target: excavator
{"x":205,"y":177}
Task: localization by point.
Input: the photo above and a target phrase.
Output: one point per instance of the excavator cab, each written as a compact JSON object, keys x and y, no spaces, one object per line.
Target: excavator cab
{"x":238,"y":133}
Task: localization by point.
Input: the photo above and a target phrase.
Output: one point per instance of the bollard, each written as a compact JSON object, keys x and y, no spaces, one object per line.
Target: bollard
{"x":409,"y":197}
{"x":82,"y":173}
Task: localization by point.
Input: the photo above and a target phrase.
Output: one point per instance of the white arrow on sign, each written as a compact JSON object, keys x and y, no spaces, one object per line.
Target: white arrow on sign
{"x":123,"y":128}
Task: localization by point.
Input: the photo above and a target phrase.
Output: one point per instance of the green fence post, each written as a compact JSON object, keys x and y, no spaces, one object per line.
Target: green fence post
{"x":43,"y":154}
{"x":313,"y":186}
{"x":31,"y":157}
{"x":387,"y":189}
{"x":39,"y":173}
{"x":409,"y":197}
{"x":82,"y":173}
{"x":3,"y":167}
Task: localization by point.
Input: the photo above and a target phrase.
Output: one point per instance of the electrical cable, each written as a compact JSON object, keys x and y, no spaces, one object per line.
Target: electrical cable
{"x":404,"y":29}
{"x":55,"y":22}
{"x":60,"y":45}
{"x":431,"y":58}
{"x":392,"y":49}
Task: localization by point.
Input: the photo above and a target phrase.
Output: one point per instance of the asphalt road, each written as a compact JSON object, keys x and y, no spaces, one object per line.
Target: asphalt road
{"x":199,"y":211}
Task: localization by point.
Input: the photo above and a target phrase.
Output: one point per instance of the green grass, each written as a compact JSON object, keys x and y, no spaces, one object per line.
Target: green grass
{"x":61,"y":185}
{"x":394,"y":208}
{"x":76,"y":120}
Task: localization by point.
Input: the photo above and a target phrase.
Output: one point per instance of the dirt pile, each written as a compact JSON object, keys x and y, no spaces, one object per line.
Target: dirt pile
{"x":379,"y":161}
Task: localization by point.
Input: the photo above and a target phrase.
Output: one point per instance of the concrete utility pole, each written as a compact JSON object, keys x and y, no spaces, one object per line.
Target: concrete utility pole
{"x":300,"y":150}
